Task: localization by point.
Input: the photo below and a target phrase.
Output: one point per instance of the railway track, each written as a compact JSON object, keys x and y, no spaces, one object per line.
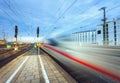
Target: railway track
{"x":2,"y":51}
{"x":12,"y":54}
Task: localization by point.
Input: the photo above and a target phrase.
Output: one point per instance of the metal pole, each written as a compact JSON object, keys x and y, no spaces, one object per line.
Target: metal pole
{"x":105,"y":30}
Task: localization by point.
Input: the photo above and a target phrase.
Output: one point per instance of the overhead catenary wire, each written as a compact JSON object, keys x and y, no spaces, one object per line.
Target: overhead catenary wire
{"x":97,"y":15}
{"x":62,"y":15}
{"x":11,"y":10}
{"x":94,"y":16}
{"x":59,"y":9}
{"x":113,"y":8}
{"x":10,"y":6}
{"x":93,"y":24}
{"x":65,"y":11}
{"x":13,"y":20}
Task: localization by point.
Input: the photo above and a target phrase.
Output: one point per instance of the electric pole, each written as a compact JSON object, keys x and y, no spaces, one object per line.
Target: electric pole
{"x":16,"y":34}
{"x":105,"y":29}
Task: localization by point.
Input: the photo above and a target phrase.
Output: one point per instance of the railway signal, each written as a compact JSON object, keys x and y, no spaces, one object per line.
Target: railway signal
{"x":37,"y":31}
{"x":16,"y":31}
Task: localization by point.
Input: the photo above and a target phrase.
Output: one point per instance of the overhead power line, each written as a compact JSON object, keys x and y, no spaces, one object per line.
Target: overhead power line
{"x":65,"y":11}
{"x":113,"y":8}
{"x":12,"y":8}
{"x":98,"y":15}
{"x":62,"y":15}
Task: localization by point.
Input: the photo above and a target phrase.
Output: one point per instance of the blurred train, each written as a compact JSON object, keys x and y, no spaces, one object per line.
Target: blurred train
{"x":98,"y":63}
{"x":89,"y":38}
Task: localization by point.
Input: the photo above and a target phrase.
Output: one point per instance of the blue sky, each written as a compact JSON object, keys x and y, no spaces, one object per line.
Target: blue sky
{"x":54,"y":17}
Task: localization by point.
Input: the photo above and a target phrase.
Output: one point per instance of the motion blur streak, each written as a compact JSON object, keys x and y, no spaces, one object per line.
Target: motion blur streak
{"x":85,"y":63}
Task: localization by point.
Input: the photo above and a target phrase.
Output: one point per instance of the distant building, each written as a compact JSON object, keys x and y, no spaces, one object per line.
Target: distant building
{"x":2,"y":42}
{"x":81,"y":38}
{"x":113,"y":33}
{"x":97,"y":36}
{"x":88,"y":37}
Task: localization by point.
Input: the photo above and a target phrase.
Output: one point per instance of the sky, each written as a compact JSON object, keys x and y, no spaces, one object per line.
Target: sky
{"x":55,"y":18}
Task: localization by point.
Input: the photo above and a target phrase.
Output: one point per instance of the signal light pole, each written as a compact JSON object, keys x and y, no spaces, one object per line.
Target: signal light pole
{"x":16,"y":33}
{"x":37,"y":39}
{"x":37,"y":31}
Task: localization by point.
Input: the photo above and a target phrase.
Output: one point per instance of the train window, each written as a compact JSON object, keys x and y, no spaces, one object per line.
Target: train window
{"x":99,"y":32}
